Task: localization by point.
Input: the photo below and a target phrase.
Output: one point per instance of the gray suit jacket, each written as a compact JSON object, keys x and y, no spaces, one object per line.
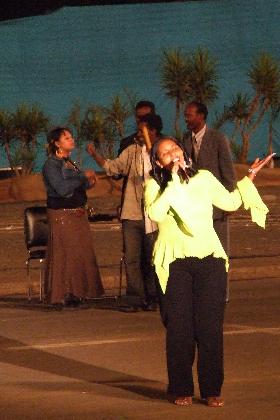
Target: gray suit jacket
{"x":215,"y":156}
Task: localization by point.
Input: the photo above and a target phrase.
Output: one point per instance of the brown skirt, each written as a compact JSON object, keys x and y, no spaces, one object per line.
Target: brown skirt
{"x":71,"y":265}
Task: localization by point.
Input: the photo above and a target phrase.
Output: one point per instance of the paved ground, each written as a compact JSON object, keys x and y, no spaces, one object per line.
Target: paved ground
{"x":103,"y":364}
{"x":255,"y":252}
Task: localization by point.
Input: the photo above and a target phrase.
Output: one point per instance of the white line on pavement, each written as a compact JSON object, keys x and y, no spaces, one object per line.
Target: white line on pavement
{"x":253,"y":330}
{"x":99,"y":227}
{"x":79,"y":343}
{"x":273,"y":331}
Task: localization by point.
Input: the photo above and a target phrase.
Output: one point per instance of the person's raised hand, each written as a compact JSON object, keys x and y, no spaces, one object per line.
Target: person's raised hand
{"x":258,"y":164}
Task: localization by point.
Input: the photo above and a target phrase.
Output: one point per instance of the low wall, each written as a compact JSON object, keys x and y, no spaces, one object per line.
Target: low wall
{"x":31,"y":188}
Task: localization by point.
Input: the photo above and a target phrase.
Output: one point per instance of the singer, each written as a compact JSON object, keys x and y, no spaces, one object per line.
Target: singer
{"x":71,"y":269}
{"x":191,"y":265}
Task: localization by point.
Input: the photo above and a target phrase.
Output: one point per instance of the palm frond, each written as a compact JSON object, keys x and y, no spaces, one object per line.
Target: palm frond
{"x":264,"y":76}
{"x":174,"y":71}
{"x":203,"y":76}
{"x":237,"y":110}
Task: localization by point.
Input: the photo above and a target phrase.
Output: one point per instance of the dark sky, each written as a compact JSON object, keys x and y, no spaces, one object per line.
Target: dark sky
{"x":20,"y":8}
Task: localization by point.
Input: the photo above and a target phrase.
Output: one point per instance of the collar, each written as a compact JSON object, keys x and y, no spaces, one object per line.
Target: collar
{"x":200,"y":134}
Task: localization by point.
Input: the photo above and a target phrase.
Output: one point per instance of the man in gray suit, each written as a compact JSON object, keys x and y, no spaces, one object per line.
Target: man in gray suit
{"x":210,"y":150}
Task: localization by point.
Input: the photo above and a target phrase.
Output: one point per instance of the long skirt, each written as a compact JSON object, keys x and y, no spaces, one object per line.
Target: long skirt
{"x":71,"y":266}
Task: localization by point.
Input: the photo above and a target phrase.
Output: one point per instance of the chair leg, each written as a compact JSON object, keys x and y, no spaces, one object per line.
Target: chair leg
{"x":41,"y":281}
{"x":29,"y":288}
{"x":121,"y":276}
{"x":227,"y":291}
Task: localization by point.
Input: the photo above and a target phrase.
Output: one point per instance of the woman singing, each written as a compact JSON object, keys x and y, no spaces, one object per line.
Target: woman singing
{"x":191,"y":265}
{"x":71,"y":270}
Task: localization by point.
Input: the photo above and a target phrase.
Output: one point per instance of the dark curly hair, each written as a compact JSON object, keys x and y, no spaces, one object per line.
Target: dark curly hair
{"x":52,"y":137}
{"x":153,"y":121}
{"x":162,"y":175}
{"x":200,"y":108}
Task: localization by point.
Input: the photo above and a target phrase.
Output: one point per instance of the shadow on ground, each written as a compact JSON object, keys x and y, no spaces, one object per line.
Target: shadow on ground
{"x":12,"y":352}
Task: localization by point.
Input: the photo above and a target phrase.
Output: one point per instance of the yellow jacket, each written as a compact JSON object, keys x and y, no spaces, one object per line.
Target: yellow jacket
{"x":184,"y":213}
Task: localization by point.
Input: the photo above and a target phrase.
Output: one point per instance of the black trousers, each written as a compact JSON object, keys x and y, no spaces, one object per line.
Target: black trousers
{"x":221,"y":227}
{"x":140,"y":274}
{"x":194,"y":307}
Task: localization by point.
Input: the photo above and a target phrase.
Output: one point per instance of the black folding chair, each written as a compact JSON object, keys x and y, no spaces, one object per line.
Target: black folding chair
{"x":36,"y":237}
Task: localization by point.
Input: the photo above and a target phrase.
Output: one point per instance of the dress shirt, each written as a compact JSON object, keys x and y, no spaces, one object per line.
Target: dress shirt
{"x":197,"y":140}
{"x":150,"y":225}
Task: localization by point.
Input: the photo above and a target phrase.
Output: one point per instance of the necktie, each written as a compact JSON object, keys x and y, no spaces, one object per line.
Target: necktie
{"x":194,"y":149}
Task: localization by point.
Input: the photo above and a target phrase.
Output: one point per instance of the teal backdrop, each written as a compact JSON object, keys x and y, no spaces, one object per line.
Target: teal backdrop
{"x":91,"y":53}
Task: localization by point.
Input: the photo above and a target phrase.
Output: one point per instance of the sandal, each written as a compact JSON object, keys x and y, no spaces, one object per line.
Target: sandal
{"x":184,"y":401}
{"x":214,"y":402}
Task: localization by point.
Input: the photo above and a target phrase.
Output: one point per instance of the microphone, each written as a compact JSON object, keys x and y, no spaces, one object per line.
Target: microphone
{"x":182,"y":169}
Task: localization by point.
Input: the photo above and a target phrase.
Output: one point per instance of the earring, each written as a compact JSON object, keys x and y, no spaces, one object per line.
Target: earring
{"x":58,"y":152}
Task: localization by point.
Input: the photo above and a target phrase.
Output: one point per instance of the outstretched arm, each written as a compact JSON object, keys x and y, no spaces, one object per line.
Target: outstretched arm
{"x":258,"y":165}
{"x":245,"y":193}
{"x":117,"y":166}
{"x":92,"y":152}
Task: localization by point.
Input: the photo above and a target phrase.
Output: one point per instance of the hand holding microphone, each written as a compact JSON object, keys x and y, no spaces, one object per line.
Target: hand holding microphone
{"x":178,"y":164}
{"x":179,"y":167}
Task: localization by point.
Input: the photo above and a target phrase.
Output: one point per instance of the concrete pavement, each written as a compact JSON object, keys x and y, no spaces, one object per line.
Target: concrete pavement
{"x":254,"y":254}
{"x":103,"y":364}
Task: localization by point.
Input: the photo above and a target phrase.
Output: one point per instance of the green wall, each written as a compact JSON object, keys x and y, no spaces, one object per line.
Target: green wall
{"x":92,"y":53}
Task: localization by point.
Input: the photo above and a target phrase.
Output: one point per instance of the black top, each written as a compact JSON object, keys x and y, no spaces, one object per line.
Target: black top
{"x":78,"y":199}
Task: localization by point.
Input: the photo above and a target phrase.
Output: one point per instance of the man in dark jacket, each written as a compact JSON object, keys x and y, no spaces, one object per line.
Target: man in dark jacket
{"x":210,"y":150}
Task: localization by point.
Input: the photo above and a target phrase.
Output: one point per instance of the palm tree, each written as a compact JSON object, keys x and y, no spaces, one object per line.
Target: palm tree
{"x":186,"y":77}
{"x":174,"y":80}
{"x":96,"y":129}
{"x":273,"y":117}
{"x":28,"y":122}
{"x":235,"y":113}
{"x":264,"y":77}
{"x":202,"y":77}
{"x":75,"y":120}
{"x":117,"y":113}
{"x":7,"y":134}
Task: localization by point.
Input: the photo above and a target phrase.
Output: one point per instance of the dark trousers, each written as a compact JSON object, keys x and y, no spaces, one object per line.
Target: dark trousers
{"x":138,"y":248}
{"x":194,"y":304}
{"x":221,"y":227}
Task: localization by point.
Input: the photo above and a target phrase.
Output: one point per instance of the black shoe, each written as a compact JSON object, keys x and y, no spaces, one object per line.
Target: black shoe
{"x":56,"y":306}
{"x":150,"y":306}
{"x":71,"y":301}
{"x":129,"y":309}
